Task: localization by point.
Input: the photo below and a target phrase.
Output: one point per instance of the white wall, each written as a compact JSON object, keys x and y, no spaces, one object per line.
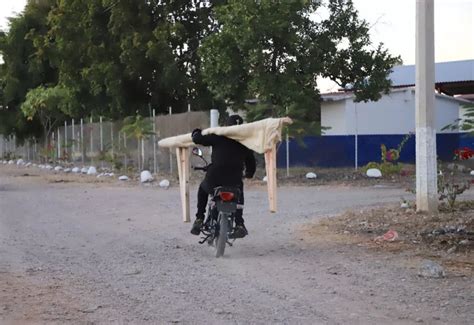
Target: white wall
{"x":392,"y":114}
{"x":333,"y":116}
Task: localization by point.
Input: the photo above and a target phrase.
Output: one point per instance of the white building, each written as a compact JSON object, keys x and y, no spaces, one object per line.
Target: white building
{"x":394,"y":113}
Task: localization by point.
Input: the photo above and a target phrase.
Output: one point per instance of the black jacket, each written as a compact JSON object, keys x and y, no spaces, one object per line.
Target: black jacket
{"x":229,"y":158}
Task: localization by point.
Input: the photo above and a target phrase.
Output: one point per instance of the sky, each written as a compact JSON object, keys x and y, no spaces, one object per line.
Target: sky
{"x":392,"y":23}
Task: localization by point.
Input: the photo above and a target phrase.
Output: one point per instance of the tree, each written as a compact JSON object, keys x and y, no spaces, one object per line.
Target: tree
{"x":466,"y":123}
{"x":24,"y":68}
{"x":49,"y":104}
{"x":140,"y":129}
{"x":276,"y":50}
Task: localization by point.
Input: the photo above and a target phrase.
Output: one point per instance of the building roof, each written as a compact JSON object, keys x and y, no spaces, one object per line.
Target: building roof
{"x":343,"y":95}
{"x":451,"y":78}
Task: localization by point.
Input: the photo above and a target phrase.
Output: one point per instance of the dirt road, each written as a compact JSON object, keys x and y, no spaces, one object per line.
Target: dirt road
{"x":88,"y":253}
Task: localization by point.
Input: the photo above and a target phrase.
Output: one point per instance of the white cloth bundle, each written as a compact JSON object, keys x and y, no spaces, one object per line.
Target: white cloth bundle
{"x":259,"y":136}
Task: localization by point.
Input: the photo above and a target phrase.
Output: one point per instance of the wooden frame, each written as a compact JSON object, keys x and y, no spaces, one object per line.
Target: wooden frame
{"x":182,"y":155}
{"x":270,"y":167}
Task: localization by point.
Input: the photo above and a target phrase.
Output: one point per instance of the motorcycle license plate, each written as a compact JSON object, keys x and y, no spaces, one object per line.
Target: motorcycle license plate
{"x":228,"y":207}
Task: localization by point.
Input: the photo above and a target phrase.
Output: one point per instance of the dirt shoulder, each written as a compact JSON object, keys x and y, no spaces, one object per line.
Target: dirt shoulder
{"x":446,"y":237}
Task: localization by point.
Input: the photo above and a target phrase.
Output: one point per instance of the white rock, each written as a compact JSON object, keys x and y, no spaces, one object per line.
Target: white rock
{"x":35,"y":165}
{"x":265,"y":179}
{"x":49,"y":167}
{"x":58,"y":168}
{"x":100,"y":175}
{"x":67,"y":170}
{"x":28,"y":164}
{"x":84,"y":170}
{"x":165,"y":184}
{"x":374,"y":172}
{"x":109,"y":174}
{"x":11,"y":162}
{"x":145,"y":176}
{"x":123,"y":178}
{"x":404,"y":205}
{"x":430,"y":269}
{"x":20,"y":162}
{"x":76,"y":170}
{"x":92,"y":170}
{"x":472,"y":172}
{"x":5,"y":162}
{"x":311,"y":175}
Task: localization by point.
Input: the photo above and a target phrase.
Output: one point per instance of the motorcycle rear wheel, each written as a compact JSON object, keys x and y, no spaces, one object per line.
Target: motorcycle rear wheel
{"x":221,"y":239}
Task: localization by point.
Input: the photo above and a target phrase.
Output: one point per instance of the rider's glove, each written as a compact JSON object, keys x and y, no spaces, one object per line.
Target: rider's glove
{"x":196,"y":132}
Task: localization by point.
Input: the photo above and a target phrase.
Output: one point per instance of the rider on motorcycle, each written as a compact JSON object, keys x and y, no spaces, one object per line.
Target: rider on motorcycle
{"x":228,"y":160}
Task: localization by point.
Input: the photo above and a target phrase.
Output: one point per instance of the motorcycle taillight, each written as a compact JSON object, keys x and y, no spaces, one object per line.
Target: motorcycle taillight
{"x":226,"y":196}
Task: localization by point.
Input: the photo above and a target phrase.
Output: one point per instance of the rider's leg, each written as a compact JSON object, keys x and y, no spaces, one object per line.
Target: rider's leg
{"x":201,"y":209}
{"x":239,"y":220}
{"x":240,"y":231}
{"x":201,"y":202}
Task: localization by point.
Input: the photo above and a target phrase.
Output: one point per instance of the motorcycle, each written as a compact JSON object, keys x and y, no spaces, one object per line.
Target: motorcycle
{"x":219,"y":224}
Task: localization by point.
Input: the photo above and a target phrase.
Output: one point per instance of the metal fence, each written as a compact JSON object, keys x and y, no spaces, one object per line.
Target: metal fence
{"x":101,"y":143}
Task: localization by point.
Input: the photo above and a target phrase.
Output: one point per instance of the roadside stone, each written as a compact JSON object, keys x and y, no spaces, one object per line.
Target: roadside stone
{"x":76,"y":170}
{"x":430,"y":269}
{"x":145,"y":177}
{"x":123,"y":178}
{"x":311,"y":175}
{"x":92,"y":170}
{"x":451,"y":250}
{"x":84,"y":170}
{"x":58,"y":168}
{"x":218,"y":311}
{"x":165,"y":184}
{"x":374,"y":173}
{"x":453,"y":166}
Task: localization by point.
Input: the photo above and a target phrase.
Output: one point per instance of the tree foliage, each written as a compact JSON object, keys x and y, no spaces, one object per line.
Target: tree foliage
{"x":48,"y":104}
{"x":275,"y":51}
{"x":114,"y":58}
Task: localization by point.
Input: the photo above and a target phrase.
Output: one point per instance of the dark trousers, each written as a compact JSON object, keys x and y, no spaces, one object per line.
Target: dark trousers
{"x":203,"y":194}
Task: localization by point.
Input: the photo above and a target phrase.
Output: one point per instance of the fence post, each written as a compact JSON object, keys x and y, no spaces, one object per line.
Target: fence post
{"x":82,"y":141}
{"x":59,"y":145}
{"x":171,"y":154}
{"x":112,"y":138}
{"x":73,"y":141}
{"x":65,"y":138}
{"x":125,"y":150}
{"x":154,"y":143}
{"x":143,"y":152}
{"x":92,"y":140}
{"x":101,"y":141}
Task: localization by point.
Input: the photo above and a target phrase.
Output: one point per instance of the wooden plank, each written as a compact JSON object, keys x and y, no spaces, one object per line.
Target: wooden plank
{"x":182,"y":155}
{"x":270,"y":167}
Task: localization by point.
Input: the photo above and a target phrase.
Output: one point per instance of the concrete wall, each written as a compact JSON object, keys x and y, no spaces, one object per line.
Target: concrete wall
{"x":333,"y":115}
{"x":392,"y":114}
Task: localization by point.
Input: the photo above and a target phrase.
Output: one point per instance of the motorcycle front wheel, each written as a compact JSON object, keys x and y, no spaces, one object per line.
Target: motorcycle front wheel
{"x":221,"y":239}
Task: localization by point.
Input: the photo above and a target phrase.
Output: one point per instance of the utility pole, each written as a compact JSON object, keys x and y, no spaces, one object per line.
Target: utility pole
{"x":426,"y":169}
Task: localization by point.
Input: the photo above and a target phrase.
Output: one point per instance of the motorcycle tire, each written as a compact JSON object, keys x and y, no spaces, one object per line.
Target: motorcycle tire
{"x":221,"y":239}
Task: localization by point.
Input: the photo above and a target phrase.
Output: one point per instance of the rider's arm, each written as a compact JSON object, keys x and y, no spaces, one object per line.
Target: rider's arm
{"x":205,"y":140}
{"x":250,"y":164}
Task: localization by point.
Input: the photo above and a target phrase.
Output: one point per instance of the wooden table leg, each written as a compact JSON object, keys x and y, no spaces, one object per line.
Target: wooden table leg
{"x":182,"y":155}
{"x":270,"y":167}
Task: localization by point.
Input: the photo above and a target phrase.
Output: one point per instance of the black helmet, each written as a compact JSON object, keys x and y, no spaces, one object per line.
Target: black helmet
{"x":234,"y":120}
